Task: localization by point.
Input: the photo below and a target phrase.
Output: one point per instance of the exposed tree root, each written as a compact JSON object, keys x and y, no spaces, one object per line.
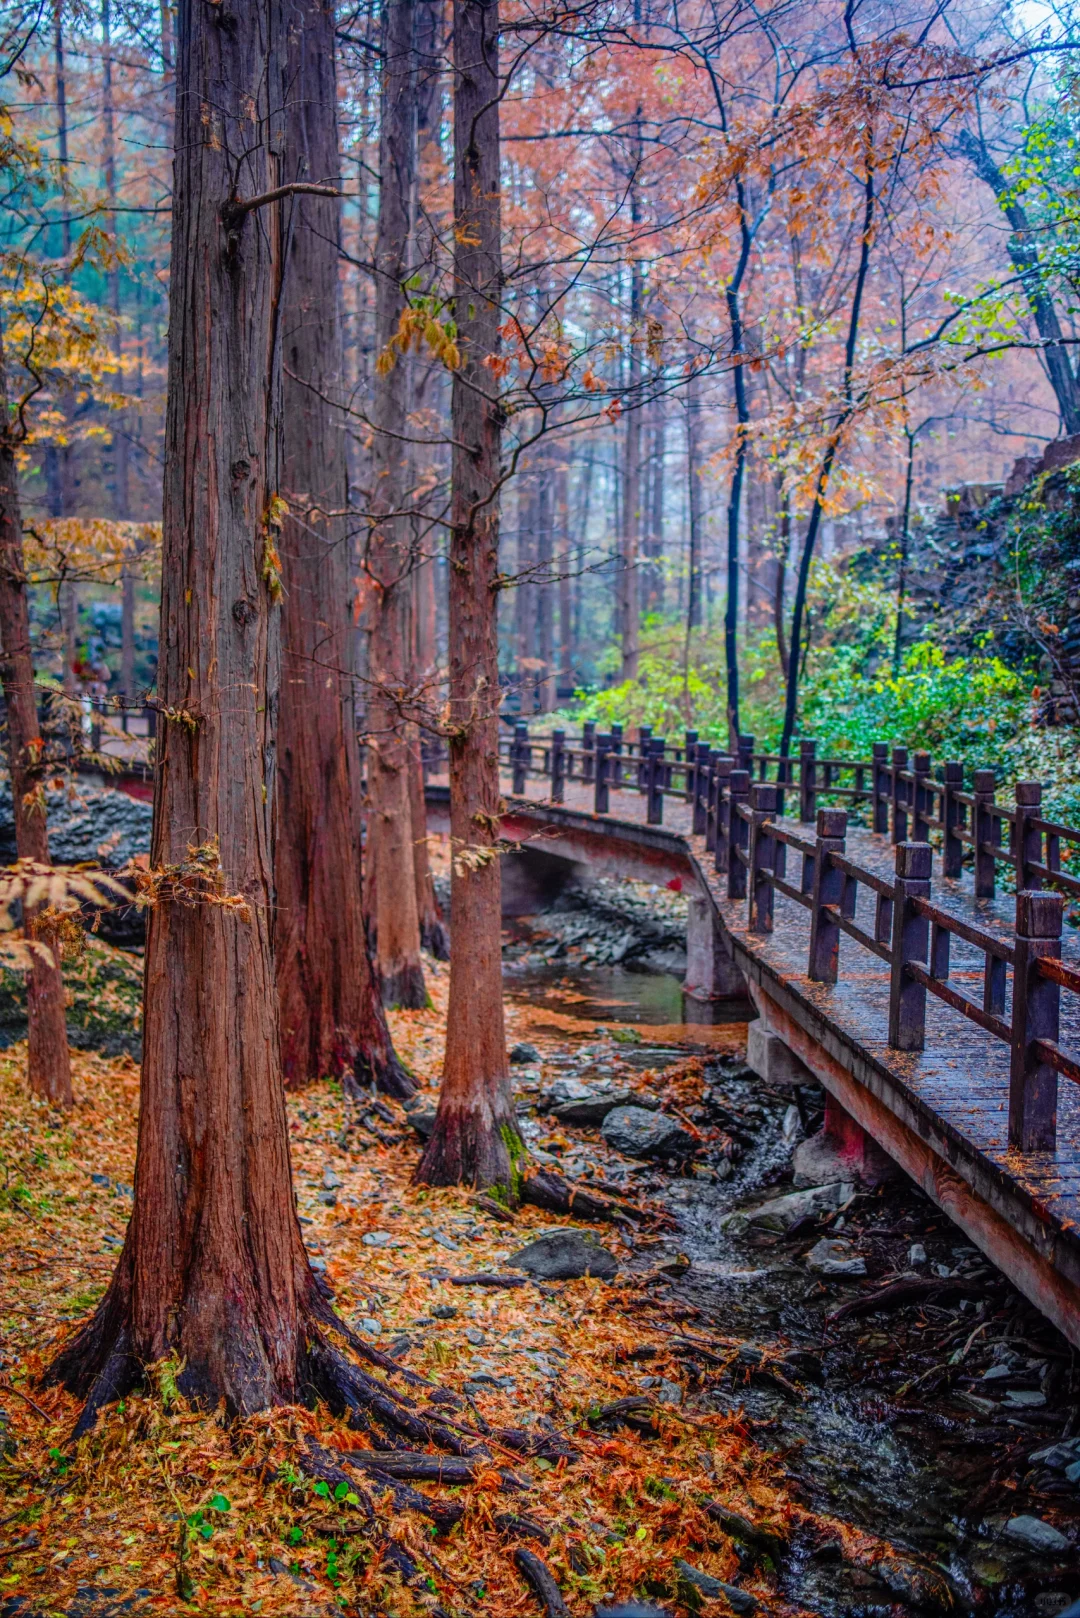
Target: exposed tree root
{"x":435,"y":938}
{"x":388,"y":1074}
{"x":552,"y":1192}
{"x":541,"y":1582}
{"x":405,"y":990}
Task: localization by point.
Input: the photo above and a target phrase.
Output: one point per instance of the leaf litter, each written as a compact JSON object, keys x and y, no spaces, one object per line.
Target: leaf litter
{"x":169,"y":1509}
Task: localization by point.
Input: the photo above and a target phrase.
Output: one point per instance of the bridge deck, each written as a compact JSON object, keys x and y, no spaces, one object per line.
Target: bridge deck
{"x":952,"y":1097}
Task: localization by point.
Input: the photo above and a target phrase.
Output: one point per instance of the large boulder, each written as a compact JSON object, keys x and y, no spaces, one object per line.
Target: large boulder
{"x":638,"y":1133}
{"x":97,"y":825}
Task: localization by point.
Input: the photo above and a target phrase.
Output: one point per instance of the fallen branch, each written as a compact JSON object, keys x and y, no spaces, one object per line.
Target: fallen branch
{"x":488,"y":1278}
{"x":918,"y":1289}
{"x":541,"y":1582}
{"x":543,"y":1189}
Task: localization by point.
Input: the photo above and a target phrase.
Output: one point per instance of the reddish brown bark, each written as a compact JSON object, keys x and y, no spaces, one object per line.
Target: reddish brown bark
{"x":213,"y":1268}
{"x":49,"y":1061}
{"x":331,"y":1015}
{"x":475,"y":1140}
{"x":433,"y":932}
{"x":392,"y":906}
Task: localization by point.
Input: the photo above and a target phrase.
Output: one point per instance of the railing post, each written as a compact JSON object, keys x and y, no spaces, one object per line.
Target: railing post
{"x":602,"y":752}
{"x":690,"y":760}
{"x":910,"y":941}
{"x":519,"y":757}
{"x":763,"y":847}
{"x":558,"y":766}
{"x":654,"y":813}
{"x":746,"y":755}
{"x":720,"y":813}
{"x":952,"y":862}
{"x":922,"y":794}
{"x":807,"y":780}
{"x":644,"y":738}
{"x":827,"y":889}
{"x":615,"y":762}
{"x":879,"y":776}
{"x":738,"y":833}
{"x":899,"y":795}
{"x":588,"y":748}
{"x":1036,"y":1011}
{"x":1027,"y":839}
{"x":702,"y":777}
{"x":984,"y":830}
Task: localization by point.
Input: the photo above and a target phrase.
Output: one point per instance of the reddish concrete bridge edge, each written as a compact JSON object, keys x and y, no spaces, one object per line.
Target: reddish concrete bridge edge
{"x":1031,"y":1271}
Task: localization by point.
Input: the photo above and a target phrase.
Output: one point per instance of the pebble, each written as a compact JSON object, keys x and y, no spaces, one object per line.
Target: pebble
{"x":524,"y":1052}
{"x":443,"y":1241}
{"x":475,"y":1336}
{"x":1036,"y":1534}
{"x":663,"y":1391}
{"x":916,"y":1255}
{"x":331,"y":1180}
{"x":369,"y":1326}
{"x":1025,"y":1398}
{"x":377,"y":1238}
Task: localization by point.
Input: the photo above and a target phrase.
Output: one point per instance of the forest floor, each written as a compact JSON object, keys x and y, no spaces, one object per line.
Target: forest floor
{"x":703,"y":1494}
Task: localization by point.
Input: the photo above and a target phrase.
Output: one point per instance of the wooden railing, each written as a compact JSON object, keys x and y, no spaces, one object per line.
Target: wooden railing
{"x":738,"y":811}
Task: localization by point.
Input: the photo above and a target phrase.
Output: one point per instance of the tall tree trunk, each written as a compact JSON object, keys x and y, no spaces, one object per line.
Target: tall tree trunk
{"x":693,"y":502}
{"x":121,"y":497}
{"x":1024,"y":253}
{"x":476,"y":1139}
{"x":629,"y":583}
{"x":49,"y":1059}
{"x":905,"y":546}
{"x":331,"y":1016}
{"x":545,"y":586}
{"x":565,"y":664}
{"x":392,"y":901}
{"x":213,"y":1268}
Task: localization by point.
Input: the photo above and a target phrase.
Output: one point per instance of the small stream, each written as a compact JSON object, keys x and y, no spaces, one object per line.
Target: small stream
{"x":876,"y":1425}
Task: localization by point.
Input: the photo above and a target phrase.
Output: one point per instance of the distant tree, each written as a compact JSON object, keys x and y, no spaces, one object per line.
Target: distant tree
{"x":331,"y":1015}
{"x":476,"y":1139}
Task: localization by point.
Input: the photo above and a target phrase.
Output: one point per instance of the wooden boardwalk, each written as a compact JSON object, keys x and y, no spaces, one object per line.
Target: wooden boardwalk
{"x":941,"y":1112}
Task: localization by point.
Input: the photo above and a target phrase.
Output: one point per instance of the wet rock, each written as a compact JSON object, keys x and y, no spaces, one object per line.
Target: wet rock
{"x":1058,"y":1457}
{"x":523,"y":1053}
{"x":1035,"y":1534}
{"x":377,"y":1238}
{"x":638,"y":1133}
{"x":631,"y":1609}
{"x":782,"y":1212}
{"x":916,"y":1255}
{"x":565,"y":1255}
{"x":589,"y":1110}
{"x":369,"y":1326}
{"x":422,"y":1120}
{"x":835,"y":1258}
{"x":331,"y":1180}
{"x":663,"y":1391}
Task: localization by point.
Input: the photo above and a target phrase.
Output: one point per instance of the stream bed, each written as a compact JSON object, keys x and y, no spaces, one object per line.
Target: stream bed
{"x":946,"y":1420}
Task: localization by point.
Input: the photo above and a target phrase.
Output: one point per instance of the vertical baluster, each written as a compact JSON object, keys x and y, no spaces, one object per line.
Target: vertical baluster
{"x":690,"y":760}
{"x":1036,"y":1010}
{"x":702,"y":777}
{"x":762,"y":856}
{"x":879,"y":776}
{"x":1027,"y":839}
{"x":615,"y":761}
{"x":899,"y":795}
{"x":519,"y":757}
{"x":995,"y":982}
{"x":558,"y":766}
{"x":922,"y":798}
{"x":654,"y":813}
{"x":602,"y":752}
{"x":828,"y":887}
{"x":984,"y":829}
{"x":720,"y":813}
{"x":808,"y":780}
{"x":644,"y":738}
{"x":738,"y":832}
{"x":911,"y":932}
{"x":588,"y":748}
{"x":746,"y":755}
{"x":952,"y":861}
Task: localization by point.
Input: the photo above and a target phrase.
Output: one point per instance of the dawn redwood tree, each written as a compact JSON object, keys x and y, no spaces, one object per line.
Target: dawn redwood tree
{"x":213,"y":1269}
{"x":392,"y":900}
{"x":331,"y":1016}
{"x":475,"y":1140}
{"x":49,"y":1060}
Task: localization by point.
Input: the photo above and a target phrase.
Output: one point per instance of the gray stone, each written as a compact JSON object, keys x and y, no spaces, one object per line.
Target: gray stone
{"x":774,"y":1061}
{"x":331,"y":1180}
{"x":781,"y":1212}
{"x":369,"y":1326}
{"x":1035,"y":1534}
{"x":639,"y":1133}
{"x":564,"y":1090}
{"x":590,"y":1109}
{"x":916,"y":1254}
{"x":99,"y":825}
{"x":835,"y":1258}
{"x":1025,"y":1398}
{"x":565,"y":1255}
{"x":664,"y":1392}
{"x":1057,"y":1456}
{"x":524,"y":1052}
{"x":422,"y":1121}
{"x":377,"y":1238}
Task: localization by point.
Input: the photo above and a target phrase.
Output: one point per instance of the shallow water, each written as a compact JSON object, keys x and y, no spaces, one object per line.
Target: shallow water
{"x":848,"y":1447}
